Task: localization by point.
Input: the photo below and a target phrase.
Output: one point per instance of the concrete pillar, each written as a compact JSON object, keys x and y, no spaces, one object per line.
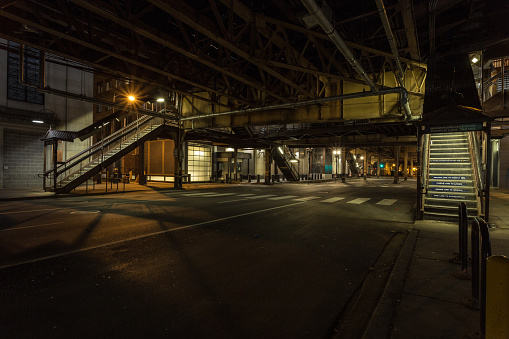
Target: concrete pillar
{"x":343,"y":165}
{"x":405,"y":166}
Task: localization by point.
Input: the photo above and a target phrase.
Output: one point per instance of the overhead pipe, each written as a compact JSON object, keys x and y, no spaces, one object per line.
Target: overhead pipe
{"x":326,"y":25}
{"x":399,"y":90}
{"x":392,"y":41}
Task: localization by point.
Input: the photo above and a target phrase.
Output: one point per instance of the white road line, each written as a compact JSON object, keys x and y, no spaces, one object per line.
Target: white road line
{"x":306,"y":198}
{"x":45,"y":209}
{"x":387,"y":202}
{"x":218,"y":195}
{"x":196,"y":194}
{"x":144,"y":236}
{"x":358,"y":201}
{"x":224,"y":202}
{"x":283,"y":197}
{"x":261,"y":196}
{"x":246,"y":195}
{"x":331,"y":200}
{"x":23,"y":227}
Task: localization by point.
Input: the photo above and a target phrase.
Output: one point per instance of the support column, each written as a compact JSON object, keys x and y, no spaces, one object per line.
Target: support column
{"x":378,"y":166}
{"x":177,"y":182}
{"x":141,"y":165}
{"x":405,"y":166}
{"x":55,"y":148}
{"x":235,"y":153}
{"x":268,"y":161}
{"x":365,"y":165}
{"x":343,"y":165}
{"x":396,"y":171}
{"x":411,"y":170}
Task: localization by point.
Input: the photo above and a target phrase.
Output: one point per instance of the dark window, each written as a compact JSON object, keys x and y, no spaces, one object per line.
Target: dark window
{"x":15,"y":90}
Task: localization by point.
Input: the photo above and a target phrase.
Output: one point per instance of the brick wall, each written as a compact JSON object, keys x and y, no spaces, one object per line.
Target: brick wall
{"x":23,"y":154}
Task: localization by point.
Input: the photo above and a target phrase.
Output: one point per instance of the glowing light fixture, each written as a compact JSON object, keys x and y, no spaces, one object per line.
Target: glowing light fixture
{"x":131,"y":98}
{"x":160,"y":100}
{"x":229,"y":149}
{"x":38,"y":121}
{"x":280,"y":150}
{"x":474,"y":60}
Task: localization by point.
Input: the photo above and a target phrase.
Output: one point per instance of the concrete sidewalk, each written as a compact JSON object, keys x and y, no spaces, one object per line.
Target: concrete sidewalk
{"x":423,"y":297}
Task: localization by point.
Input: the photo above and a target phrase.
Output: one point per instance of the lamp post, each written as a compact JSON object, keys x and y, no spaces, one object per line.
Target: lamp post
{"x":336,"y":154}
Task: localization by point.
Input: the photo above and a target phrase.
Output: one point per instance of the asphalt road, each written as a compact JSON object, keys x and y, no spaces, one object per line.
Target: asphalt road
{"x":247,"y":261}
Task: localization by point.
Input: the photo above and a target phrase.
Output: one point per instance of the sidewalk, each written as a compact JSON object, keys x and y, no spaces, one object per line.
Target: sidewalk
{"x":423,"y":294}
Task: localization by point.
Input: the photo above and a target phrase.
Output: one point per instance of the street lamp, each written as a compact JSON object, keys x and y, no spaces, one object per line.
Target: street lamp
{"x":337,"y":153}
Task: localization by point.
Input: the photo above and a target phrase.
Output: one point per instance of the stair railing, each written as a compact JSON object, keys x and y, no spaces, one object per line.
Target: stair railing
{"x":426,"y":146}
{"x":101,"y":150}
{"x":495,"y":84}
{"x":476,"y":166}
{"x":287,"y":155}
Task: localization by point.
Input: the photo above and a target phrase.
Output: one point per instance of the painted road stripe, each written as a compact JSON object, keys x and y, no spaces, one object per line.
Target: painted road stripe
{"x":145,"y":236}
{"x":197,"y":194}
{"x":246,"y":195}
{"x":387,"y":202}
{"x":283,"y":197}
{"x":261,"y":196}
{"x":23,"y":227}
{"x":45,"y":209}
{"x":358,"y":201}
{"x":306,"y":198}
{"x":331,"y":200}
{"x":224,"y":202}
{"x":218,"y":195}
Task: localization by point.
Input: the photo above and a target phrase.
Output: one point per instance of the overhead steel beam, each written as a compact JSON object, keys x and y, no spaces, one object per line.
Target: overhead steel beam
{"x":105,"y":51}
{"x":407,"y":13}
{"x":326,"y":25}
{"x":186,"y":13}
{"x":160,"y":38}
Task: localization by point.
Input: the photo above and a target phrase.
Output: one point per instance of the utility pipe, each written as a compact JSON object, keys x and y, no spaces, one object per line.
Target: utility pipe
{"x":326,"y":25}
{"x":404,"y":103}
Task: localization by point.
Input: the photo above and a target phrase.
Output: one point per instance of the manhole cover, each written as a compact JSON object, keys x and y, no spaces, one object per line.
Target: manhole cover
{"x":84,"y":212}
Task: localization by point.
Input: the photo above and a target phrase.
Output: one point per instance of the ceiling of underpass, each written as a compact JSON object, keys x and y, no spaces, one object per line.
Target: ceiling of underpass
{"x":241,"y":54}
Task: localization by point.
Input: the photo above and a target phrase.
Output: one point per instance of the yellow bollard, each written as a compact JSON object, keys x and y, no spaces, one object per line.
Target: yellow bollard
{"x":497,"y":297}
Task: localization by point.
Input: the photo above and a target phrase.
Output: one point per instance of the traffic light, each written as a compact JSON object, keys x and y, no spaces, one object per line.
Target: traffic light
{"x":382,"y":165}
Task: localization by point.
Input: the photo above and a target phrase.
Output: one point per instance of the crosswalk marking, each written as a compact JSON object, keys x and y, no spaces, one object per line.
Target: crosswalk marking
{"x":246,"y":195}
{"x":386,"y":202}
{"x":331,"y":200}
{"x":197,"y":194}
{"x":218,"y":195}
{"x":306,"y":198}
{"x":261,"y":196}
{"x":283,"y":197}
{"x":358,"y":201}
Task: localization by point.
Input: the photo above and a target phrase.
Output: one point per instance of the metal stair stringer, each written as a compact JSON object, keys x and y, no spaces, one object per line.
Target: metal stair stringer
{"x":282,"y":154}
{"x":66,"y":185}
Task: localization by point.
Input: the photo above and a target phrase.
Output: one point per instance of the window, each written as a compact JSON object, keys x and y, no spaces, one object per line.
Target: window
{"x":108,"y":85}
{"x":99,"y":87}
{"x":16,"y":90}
{"x":199,"y":162}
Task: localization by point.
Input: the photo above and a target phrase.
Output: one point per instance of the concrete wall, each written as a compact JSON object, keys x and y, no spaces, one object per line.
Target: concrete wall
{"x":22,"y":151}
{"x":22,"y":159}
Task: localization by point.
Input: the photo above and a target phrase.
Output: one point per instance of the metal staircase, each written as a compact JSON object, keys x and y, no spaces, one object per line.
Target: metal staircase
{"x":91,"y":161}
{"x":282,"y":157}
{"x":450,"y":177}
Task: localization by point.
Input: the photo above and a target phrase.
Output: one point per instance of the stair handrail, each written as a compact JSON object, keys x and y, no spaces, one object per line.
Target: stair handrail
{"x":98,"y":144}
{"x":426,"y":146}
{"x":106,"y":142}
{"x":476,"y":164}
{"x":490,"y":81}
{"x":286,"y":156}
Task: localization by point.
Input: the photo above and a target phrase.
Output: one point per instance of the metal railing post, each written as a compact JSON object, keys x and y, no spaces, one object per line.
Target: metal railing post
{"x":481,"y":250}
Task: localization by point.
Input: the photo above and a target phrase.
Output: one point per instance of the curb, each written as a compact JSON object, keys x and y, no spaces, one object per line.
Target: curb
{"x":380,"y":324}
